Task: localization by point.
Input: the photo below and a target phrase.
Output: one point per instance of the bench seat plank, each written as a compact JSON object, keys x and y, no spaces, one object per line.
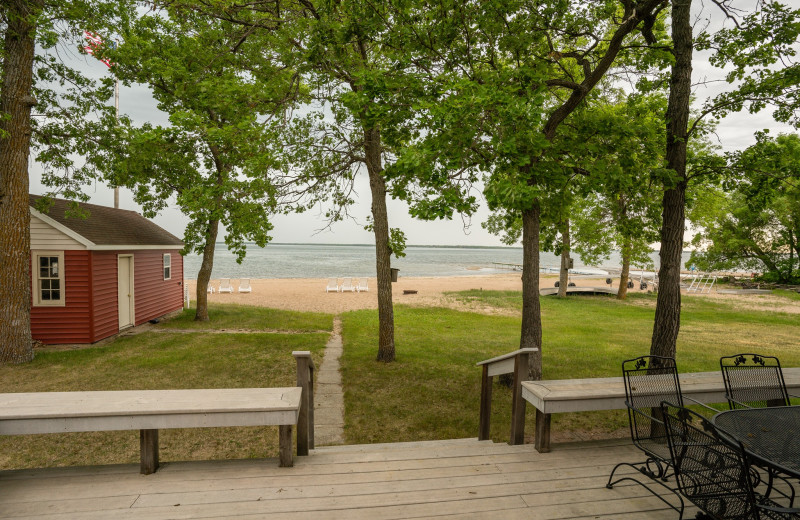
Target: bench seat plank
{"x":608,"y":393}
{"x":55,"y":412}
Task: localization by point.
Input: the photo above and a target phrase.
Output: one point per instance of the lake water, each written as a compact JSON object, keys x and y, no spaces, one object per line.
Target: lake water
{"x":323,"y":261}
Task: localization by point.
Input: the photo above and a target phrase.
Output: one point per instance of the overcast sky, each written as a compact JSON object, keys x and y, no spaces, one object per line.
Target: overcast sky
{"x":734,"y":132}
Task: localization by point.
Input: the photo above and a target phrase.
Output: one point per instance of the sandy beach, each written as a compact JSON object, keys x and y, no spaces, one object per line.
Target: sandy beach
{"x":308,"y":294}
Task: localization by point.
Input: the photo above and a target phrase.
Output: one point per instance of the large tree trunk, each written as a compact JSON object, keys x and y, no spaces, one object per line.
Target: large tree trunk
{"x":16,"y":103}
{"x":668,"y":304}
{"x":563,"y":278}
{"x":383,"y":253}
{"x":531,"y":333}
{"x":622,"y":292}
{"x":204,"y":276}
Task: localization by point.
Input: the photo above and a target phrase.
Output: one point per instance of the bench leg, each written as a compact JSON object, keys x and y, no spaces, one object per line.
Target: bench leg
{"x":148,"y":445}
{"x":484,"y":423}
{"x":542,"y":439}
{"x":285,"y":445}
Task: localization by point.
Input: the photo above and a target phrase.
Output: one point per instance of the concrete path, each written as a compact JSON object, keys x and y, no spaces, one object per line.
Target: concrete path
{"x":328,"y":395}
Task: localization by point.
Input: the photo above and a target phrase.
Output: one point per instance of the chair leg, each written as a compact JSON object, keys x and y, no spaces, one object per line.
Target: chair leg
{"x":611,"y":483}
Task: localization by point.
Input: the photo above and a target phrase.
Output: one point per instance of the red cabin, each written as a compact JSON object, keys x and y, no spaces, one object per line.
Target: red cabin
{"x":93,"y":277}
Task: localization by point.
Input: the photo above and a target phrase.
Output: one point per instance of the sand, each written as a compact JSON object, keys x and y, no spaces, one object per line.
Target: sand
{"x":308,"y":294}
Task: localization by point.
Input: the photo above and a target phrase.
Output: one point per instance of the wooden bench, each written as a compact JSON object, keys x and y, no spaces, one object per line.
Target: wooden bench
{"x":151,"y":410}
{"x":585,"y":395}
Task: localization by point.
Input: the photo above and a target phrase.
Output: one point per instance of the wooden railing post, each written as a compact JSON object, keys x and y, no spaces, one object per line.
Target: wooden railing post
{"x":305,"y":423}
{"x":514,"y":362}
{"x":486,"y":405}
{"x":517,"y":402}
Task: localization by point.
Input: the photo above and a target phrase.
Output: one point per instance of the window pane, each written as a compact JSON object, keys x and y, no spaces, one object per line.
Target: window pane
{"x":167,"y":259}
{"x":54,"y":267}
{"x":43,"y":261}
{"x":56,"y":295}
{"x":45,"y":295}
{"x":44,"y":272}
{"x":166,"y":273}
{"x":55,"y":284}
{"x":45,"y":285}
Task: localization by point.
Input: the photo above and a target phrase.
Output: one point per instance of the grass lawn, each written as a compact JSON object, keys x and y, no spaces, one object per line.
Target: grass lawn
{"x":433,"y":390}
{"x":248,"y":317}
{"x":162,"y":360}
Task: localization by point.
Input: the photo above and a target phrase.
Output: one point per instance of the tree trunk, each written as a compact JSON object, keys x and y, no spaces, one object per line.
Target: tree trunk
{"x":668,"y":304}
{"x":16,"y":103}
{"x":383,"y":253}
{"x":563,"y":278}
{"x":204,"y":276}
{"x":622,"y":292}
{"x":531,"y":333}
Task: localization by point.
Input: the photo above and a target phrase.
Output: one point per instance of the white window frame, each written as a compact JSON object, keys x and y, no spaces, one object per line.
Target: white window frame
{"x":35,"y":277}
{"x":167,"y":264}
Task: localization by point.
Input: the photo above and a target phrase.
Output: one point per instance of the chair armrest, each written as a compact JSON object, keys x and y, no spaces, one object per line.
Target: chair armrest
{"x":701,"y":404}
{"x":635,"y":410}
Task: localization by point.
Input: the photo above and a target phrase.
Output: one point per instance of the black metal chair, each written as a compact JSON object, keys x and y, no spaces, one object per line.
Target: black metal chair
{"x":714,"y":473}
{"x":649,"y":380}
{"x":753,"y":381}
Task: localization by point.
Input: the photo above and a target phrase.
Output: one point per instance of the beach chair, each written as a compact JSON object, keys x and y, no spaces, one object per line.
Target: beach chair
{"x":225,"y":286}
{"x":347,"y":285}
{"x":362,"y":285}
{"x":244,"y":285}
{"x":210,"y":289}
{"x":333,"y":285}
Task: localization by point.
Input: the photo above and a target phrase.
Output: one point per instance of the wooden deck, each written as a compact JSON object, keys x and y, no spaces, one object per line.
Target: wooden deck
{"x":465,"y":478}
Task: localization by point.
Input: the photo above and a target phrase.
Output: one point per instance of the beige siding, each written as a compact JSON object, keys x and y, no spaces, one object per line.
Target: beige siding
{"x":44,"y":236}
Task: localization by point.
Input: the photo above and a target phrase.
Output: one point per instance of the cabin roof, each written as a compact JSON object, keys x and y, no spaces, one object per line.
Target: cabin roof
{"x":107,"y":226}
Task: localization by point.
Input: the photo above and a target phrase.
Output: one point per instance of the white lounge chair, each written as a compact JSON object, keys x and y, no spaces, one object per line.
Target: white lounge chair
{"x":333,"y":285}
{"x":210,"y":289}
{"x":225,"y":286}
{"x":244,"y":285}
{"x":362,"y":285}
{"x":347,"y":285}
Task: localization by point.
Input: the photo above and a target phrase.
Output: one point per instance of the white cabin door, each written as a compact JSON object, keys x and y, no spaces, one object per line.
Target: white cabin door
{"x":125,"y":290}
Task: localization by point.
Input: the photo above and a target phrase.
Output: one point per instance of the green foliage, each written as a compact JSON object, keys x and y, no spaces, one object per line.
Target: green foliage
{"x":72,"y":112}
{"x":751,"y":219}
{"x":757,"y":54}
{"x":222,"y":96}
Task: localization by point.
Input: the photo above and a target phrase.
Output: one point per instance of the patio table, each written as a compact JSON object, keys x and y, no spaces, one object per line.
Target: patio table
{"x":769,"y":435}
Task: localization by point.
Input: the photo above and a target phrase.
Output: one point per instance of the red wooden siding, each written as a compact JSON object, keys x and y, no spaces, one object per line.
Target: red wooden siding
{"x":153,"y":296}
{"x":71,"y":323}
{"x":104,"y":292}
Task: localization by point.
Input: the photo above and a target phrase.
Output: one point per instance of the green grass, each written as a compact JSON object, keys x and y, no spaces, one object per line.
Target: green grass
{"x":159,"y":360}
{"x":432,"y":391}
{"x":230,"y":316}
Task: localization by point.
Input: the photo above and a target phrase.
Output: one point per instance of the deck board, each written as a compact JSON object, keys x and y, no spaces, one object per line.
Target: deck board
{"x":461,"y":479}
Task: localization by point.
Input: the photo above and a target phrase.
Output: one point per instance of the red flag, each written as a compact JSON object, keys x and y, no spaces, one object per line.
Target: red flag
{"x":93,"y":43}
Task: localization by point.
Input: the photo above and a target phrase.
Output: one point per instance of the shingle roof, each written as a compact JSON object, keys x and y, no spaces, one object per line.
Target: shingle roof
{"x":109,"y":226}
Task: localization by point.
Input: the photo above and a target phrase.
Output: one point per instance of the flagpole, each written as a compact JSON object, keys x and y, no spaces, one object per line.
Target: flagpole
{"x":116,"y":107}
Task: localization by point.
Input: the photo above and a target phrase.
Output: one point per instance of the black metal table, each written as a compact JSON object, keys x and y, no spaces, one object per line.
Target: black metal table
{"x":770,"y":435}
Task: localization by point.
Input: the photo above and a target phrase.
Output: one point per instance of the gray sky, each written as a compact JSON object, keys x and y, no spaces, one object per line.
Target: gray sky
{"x":734,"y":132}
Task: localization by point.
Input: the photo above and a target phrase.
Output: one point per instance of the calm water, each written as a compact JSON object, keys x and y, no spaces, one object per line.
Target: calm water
{"x":323,"y":261}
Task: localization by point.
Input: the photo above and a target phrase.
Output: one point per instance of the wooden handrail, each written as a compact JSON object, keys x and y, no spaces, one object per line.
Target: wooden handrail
{"x":514,"y":362}
{"x":305,"y":380}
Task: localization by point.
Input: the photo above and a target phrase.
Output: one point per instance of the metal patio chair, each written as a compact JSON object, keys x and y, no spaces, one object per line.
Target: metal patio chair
{"x":713,"y":473}
{"x":753,"y":381}
{"x":650,"y":380}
